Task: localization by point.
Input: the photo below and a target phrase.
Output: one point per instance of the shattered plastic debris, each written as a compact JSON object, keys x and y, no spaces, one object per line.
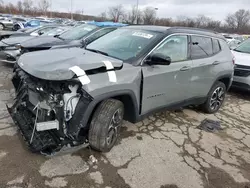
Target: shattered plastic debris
{"x":210,"y":125}
{"x":92,"y":160}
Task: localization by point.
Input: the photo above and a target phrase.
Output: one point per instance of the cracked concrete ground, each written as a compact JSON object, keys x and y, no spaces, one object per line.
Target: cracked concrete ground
{"x":166,"y":150}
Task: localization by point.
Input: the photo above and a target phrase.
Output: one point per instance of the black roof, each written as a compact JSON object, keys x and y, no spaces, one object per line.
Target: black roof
{"x":170,"y":30}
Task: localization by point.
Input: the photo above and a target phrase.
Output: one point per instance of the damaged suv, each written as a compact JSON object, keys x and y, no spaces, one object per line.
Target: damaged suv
{"x":72,"y":97}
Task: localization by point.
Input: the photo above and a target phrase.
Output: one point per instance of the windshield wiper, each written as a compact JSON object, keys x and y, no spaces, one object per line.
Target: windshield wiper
{"x":241,"y":51}
{"x":197,"y":44}
{"x":98,"y":51}
{"x":58,"y":36}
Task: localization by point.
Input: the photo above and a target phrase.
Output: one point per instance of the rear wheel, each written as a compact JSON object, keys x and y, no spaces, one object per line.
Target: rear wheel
{"x":105,"y":125}
{"x":215,"y":99}
{"x":1,"y":27}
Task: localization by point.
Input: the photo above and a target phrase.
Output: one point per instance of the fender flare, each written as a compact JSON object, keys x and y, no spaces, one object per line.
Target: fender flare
{"x":225,"y":76}
{"x":93,"y":104}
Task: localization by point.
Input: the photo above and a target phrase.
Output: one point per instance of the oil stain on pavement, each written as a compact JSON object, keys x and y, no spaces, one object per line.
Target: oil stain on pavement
{"x":166,"y":150}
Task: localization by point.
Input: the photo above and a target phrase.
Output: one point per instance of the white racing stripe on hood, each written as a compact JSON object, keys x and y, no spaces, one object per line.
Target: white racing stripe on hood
{"x":112,"y":75}
{"x":84,"y":79}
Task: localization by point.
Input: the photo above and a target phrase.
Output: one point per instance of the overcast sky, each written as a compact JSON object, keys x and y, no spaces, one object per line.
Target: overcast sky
{"x":217,"y":9}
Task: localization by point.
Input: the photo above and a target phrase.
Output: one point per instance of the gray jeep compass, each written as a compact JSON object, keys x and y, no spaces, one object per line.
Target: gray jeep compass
{"x":77,"y":97}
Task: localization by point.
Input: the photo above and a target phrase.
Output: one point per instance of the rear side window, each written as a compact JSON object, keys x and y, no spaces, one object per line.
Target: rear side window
{"x":201,"y":47}
{"x":216,"y":46}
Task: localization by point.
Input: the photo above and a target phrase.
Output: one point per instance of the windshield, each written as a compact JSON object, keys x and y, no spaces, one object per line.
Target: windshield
{"x":78,"y":32}
{"x":123,"y":43}
{"x":30,"y":30}
{"x":56,"y":31}
{"x":244,"y":47}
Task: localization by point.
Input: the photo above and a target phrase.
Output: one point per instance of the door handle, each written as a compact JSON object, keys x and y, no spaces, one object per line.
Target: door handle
{"x":216,"y":63}
{"x":185,"y":68}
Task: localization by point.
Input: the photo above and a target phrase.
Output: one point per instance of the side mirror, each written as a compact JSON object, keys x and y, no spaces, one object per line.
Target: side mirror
{"x":159,"y":59}
{"x":84,"y":42}
{"x":40,"y":32}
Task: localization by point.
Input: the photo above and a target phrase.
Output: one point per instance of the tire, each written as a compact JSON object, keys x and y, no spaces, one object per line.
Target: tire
{"x":105,"y":125}
{"x":1,"y":27}
{"x":216,"y":97}
{"x":16,"y":27}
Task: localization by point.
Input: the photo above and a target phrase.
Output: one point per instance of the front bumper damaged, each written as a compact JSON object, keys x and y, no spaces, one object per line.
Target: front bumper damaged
{"x":48,"y":114}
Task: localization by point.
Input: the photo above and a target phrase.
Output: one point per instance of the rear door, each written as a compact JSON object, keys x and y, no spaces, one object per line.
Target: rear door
{"x":166,"y":85}
{"x":204,"y":52}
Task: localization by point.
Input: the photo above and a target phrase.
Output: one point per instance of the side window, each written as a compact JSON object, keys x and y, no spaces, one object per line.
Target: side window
{"x":216,"y":46}
{"x":201,"y":47}
{"x":99,"y":34}
{"x":176,"y":47}
{"x":34,"y":23}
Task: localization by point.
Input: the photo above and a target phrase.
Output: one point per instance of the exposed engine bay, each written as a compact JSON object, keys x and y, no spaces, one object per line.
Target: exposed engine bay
{"x":49,"y":113}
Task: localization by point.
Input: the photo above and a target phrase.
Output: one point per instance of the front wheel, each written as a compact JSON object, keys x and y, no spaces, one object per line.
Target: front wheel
{"x":16,"y":27}
{"x":105,"y":125}
{"x":215,"y":99}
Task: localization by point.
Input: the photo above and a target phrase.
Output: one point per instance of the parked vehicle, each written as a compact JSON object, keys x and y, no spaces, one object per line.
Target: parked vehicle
{"x":76,"y":37}
{"x":6,"y":23}
{"x":242,"y":66}
{"x":233,"y":43}
{"x":10,"y":48}
{"x":19,"y":23}
{"x":31,"y":23}
{"x":27,"y":32}
{"x":74,"y":96}
{"x":229,"y":38}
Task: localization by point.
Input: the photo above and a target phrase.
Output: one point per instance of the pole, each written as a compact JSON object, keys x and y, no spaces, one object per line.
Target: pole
{"x":137,"y":11}
{"x":156,"y":9}
{"x":71,"y":9}
{"x":51,"y":8}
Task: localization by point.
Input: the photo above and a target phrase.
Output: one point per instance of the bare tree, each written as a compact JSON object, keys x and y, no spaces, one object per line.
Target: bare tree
{"x":20,"y":6}
{"x":202,"y":21}
{"x":103,"y":16}
{"x":230,"y":22}
{"x":213,"y":24}
{"x":44,"y":5}
{"x":149,"y":15}
{"x":116,"y":13}
{"x":239,"y":20}
{"x":27,"y":5}
{"x":164,"y":21}
{"x":1,"y":3}
{"x":132,"y":15}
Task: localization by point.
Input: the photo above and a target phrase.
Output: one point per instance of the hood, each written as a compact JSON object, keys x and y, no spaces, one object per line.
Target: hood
{"x":56,"y":64}
{"x":19,"y":34}
{"x":43,"y":41}
{"x":15,"y":40}
{"x":3,"y":33}
{"x":241,"y":58}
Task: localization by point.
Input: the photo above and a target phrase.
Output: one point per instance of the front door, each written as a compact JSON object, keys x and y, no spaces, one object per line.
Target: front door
{"x":166,"y":85}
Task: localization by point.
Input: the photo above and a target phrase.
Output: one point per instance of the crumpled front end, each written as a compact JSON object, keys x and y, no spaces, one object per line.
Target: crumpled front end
{"x":49,"y":113}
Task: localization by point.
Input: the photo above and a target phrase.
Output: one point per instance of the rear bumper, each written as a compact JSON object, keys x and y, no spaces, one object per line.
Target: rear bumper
{"x":10,"y":56}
